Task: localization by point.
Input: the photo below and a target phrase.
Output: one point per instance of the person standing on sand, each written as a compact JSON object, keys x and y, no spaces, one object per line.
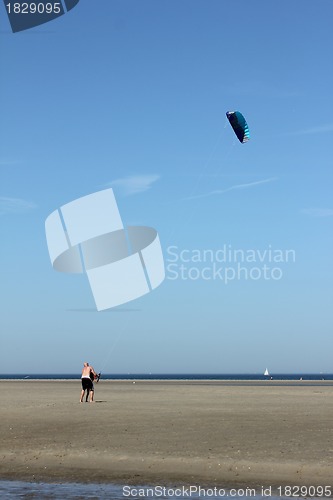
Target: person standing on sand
{"x":87,"y":373}
{"x":92,"y":391}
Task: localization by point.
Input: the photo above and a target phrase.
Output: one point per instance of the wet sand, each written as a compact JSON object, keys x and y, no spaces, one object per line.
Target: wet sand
{"x":177,"y":432}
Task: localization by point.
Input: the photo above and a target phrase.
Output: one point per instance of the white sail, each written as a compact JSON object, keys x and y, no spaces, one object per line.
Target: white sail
{"x":266,"y":372}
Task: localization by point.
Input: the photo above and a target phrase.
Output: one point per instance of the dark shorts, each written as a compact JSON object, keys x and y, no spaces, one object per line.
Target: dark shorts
{"x":87,"y":384}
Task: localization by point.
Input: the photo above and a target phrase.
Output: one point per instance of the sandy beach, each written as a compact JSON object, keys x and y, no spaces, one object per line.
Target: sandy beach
{"x":213,"y":433}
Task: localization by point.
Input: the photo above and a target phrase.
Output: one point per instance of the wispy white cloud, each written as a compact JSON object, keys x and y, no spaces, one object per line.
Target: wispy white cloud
{"x":235,"y":187}
{"x":15,"y":205}
{"x":318,"y":212}
{"x":135,"y":184}
{"x":318,"y":129}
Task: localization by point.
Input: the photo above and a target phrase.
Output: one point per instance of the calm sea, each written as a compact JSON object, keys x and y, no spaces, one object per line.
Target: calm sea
{"x":186,"y":376}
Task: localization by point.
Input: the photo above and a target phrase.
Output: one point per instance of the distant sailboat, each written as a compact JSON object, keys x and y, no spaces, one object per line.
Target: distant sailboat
{"x":266,"y":373}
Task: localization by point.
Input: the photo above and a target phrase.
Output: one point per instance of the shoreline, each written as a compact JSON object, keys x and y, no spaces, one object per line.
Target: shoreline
{"x":214,"y":433}
{"x":189,"y":381}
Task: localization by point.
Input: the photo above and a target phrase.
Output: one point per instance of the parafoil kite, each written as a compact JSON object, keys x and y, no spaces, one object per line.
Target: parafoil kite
{"x":238,"y":123}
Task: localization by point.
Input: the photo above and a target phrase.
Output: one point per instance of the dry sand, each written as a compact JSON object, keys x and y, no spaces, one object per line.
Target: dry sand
{"x":209,"y":433}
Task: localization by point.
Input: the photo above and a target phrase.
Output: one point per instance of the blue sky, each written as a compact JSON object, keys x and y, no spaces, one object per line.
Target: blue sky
{"x":133,"y":95}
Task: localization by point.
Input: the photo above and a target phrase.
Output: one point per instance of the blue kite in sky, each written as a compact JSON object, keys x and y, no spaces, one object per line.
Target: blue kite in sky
{"x":238,"y":123}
